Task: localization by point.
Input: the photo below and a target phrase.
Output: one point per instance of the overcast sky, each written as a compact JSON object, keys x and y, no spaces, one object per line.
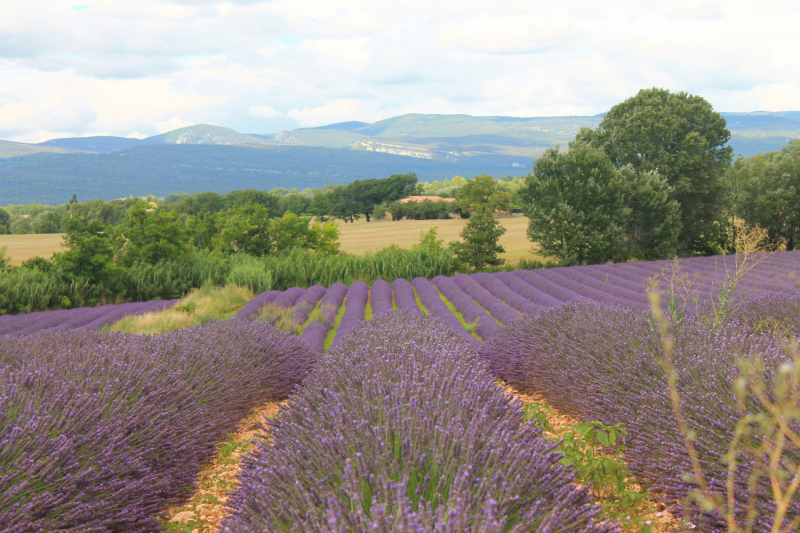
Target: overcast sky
{"x":143,"y":67}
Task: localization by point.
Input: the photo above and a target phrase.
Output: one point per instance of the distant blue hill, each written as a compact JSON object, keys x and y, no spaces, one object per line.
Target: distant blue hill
{"x":164,"y":169}
{"x":213,"y":158}
{"x":95,"y":144}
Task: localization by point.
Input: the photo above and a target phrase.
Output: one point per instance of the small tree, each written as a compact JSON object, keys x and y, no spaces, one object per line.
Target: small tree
{"x":480,"y":247}
{"x":429,"y":241}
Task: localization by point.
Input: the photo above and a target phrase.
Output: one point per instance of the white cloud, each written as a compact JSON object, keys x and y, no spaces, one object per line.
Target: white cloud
{"x":172,"y":124}
{"x":263,"y":111}
{"x":140,"y":68}
{"x":332,"y":112}
{"x":518,"y":30}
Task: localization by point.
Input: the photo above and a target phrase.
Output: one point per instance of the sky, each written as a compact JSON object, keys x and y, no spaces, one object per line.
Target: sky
{"x":136,"y":68}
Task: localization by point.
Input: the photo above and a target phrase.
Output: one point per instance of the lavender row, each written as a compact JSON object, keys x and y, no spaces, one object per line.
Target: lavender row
{"x":501,"y":286}
{"x":102,"y":432}
{"x":437,"y":308}
{"x":89,"y":318}
{"x":315,"y":332}
{"x":466,"y":306}
{"x":307,"y":302}
{"x":401,"y":429}
{"x":357,"y":296}
{"x":602,"y":362}
{"x":404,"y":295}
{"x":499,"y":310}
{"x":380,"y":297}
{"x":253,"y":307}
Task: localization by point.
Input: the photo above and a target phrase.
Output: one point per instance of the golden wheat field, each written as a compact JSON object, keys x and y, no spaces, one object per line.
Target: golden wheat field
{"x":362,"y":236}
{"x":22,"y":247}
{"x":356,"y":238}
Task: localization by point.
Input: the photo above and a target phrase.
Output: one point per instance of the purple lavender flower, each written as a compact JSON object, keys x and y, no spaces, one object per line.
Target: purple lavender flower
{"x":401,"y":429}
{"x":102,"y":432}
{"x":467,"y":307}
{"x":380,"y":297}
{"x":356,"y":303}
{"x":602,"y":362}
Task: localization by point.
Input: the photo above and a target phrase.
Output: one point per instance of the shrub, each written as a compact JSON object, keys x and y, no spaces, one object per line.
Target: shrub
{"x":24,"y":290}
{"x":101,"y":432}
{"x":401,"y":429}
{"x":173,"y":279}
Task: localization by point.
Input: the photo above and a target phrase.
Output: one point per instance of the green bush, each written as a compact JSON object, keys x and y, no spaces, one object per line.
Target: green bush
{"x":302,"y":268}
{"x":24,"y":290}
{"x":173,"y":279}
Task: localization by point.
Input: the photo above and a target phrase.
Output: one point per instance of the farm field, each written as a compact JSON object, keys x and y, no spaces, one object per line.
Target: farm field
{"x":362,"y":236}
{"x":562,"y":333}
{"x":356,"y":238}
{"x":22,"y":247}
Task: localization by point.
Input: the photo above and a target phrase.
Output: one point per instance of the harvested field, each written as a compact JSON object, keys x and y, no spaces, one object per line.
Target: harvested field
{"x":22,"y":247}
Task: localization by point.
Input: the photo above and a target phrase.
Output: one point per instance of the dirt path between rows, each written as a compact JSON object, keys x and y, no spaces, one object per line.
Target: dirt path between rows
{"x":207,"y":508}
{"x":656,"y":512}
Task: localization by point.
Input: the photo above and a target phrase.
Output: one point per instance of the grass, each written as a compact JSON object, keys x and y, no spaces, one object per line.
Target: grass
{"x":469,"y":327}
{"x":332,"y":332}
{"x":368,"y":314}
{"x":596,"y":451}
{"x":199,"y":307}
{"x":419,"y":302}
{"x":23,"y":247}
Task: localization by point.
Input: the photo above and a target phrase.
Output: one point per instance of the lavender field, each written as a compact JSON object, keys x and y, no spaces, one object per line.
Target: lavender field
{"x":482,"y":301}
{"x":395,"y":422}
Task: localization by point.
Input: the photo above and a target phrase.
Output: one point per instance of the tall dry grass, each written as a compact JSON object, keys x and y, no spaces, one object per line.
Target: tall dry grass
{"x":199,"y":307}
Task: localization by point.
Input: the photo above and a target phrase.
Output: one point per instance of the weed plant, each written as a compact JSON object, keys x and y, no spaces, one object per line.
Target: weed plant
{"x":596,"y":451}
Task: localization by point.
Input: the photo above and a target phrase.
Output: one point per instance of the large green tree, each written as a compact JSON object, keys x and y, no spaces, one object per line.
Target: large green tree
{"x":581,"y":209}
{"x":682,"y":138}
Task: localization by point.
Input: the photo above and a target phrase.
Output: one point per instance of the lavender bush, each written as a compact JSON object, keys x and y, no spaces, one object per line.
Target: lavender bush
{"x":603,"y":363}
{"x":772,"y":313}
{"x":404,"y":295}
{"x":83,"y":318}
{"x":252,"y":308}
{"x":401,"y":429}
{"x":307,"y":302}
{"x":101,"y":432}
{"x":497,"y":285}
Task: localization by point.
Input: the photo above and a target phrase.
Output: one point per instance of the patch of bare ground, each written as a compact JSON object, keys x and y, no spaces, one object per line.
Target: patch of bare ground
{"x":661,"y":520}
{"x":207,"y":508}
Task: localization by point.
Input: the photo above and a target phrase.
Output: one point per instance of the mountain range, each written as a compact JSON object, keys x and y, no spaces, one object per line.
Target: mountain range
{"x":213,"y":158}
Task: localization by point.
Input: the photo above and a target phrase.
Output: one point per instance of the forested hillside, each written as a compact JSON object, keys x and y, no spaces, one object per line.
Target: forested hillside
{"x":168,"y":168}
